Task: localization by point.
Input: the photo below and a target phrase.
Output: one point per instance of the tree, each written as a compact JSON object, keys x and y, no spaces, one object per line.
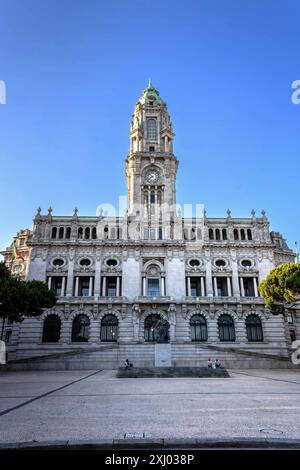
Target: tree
{"x":19,"y":298}
{"x":281,"y":286}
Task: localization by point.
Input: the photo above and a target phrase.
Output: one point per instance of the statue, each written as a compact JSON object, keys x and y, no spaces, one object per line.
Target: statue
{"x":161,"y":331}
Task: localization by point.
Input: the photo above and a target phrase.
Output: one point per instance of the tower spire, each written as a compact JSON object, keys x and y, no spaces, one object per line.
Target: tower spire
{"x":149,"y":83}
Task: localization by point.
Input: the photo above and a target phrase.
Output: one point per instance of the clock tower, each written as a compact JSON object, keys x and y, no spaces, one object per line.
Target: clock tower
{"x":151,"y":165}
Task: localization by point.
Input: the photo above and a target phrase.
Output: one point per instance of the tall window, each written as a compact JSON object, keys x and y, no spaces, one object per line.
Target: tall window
{"x":61,"y":233}
{"x":195,"y":286}
{"x":150,"y":323}
{"x":84,"y":286}
{"x":56,"y":284}
{"x":109,"y":328}
{"x":249,"y":287}
{"x":51,"y":329}
{"x":68,"y":232}
{"x":80,"y":329}
{"x":254,"y":328}
{"x":226,"y":328}
{"x":153,"y":287}
{"x":198,"y":328}
{"x":111,"y":286}
{"x":151,"y":129}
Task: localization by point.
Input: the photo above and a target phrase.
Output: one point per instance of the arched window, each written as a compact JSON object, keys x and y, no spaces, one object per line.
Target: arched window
{"x":61,"y":233}
{"x":226,"y":328}
{"x":51,"y":329}
{"x":254,"y":328}
{"x":153,"y":281}
{"x":68,"y":232}
{"x":80,"y":329}
{"x":151,"y":129}
{"x":106,"y":232}
{"x":224,"y":234}
{"x":198,"y":328}
{"x":218,"y":234}
{"x":109,"y":328}
{"x":211,"y":234}
{"x":150,"y":323}
{"x":243,"y":237}
{"x":54,"y":232}
{"x":87,"y":233}
{"x":80,"y":232}
{"x":249,"y":234}
{"x":119,"y":233}
{"x":235,"y":234}
{"x":94,"y":233}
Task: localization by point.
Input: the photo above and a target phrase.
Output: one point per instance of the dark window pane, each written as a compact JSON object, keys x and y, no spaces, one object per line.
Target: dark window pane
{"x":153,"y":287}
{"x":80,"y":329}
{"x":198,"y":328}
{"x":226,"y":328}
{"x":254,"y":328}
{"x":109,"y":328}
{"x":51,"y":329}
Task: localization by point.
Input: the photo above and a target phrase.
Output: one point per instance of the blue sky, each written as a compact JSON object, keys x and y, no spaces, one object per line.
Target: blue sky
{"x":74,"y":70}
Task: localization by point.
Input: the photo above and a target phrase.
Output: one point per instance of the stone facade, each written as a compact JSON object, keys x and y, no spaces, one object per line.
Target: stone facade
{"x":111,"y":273}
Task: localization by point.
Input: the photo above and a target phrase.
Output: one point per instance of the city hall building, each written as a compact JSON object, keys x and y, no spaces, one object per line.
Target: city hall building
{"x":116,"y":276}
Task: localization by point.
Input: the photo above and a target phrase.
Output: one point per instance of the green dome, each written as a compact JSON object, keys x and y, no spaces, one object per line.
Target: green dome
{"x":150,"y":91}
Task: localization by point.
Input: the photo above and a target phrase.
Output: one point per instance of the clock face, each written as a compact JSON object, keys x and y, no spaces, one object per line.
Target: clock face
{"x":152,"y":176}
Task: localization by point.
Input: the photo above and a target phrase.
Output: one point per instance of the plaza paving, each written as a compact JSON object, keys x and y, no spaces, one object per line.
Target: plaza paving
{"x":94,"y":405}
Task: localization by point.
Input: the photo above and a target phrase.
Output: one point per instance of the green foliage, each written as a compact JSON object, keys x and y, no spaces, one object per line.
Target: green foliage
{"x":22,"y":298}
{"x":281,"y":286}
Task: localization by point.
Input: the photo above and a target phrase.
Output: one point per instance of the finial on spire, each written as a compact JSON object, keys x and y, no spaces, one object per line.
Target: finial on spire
{"x":150,"y":83}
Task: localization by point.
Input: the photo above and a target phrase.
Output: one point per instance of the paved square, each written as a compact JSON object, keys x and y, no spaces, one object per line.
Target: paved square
{"x":93,"y":405}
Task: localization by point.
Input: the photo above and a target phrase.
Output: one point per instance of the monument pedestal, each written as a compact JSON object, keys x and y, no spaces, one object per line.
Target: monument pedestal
{"x":163,"y":356}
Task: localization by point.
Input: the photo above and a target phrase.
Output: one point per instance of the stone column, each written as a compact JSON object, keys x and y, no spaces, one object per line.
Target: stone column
{"x":118,"y":287}
{"x":104,"y":286}
{"x":229,"y":287}
{"x":144,"y":293}
{"x":76,"y":285}
{"x":202,"y":286}
{"x":163,"y":287}
{"x":97,"y":283}
{"x":242,"y":287}
{"x":91,"y":286}
{"x":189,"y":292}
{"x":215,"y":287}
{"x":235,"y":279}
{"x":70,"y":279}
{"x":49,"y":282}
{"x":255,"y":287}
{"x":209,"y":287}
{"x":63,"y":286}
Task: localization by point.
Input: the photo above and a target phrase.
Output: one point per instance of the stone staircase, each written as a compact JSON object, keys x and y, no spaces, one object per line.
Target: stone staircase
{"x":113,"y":356}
